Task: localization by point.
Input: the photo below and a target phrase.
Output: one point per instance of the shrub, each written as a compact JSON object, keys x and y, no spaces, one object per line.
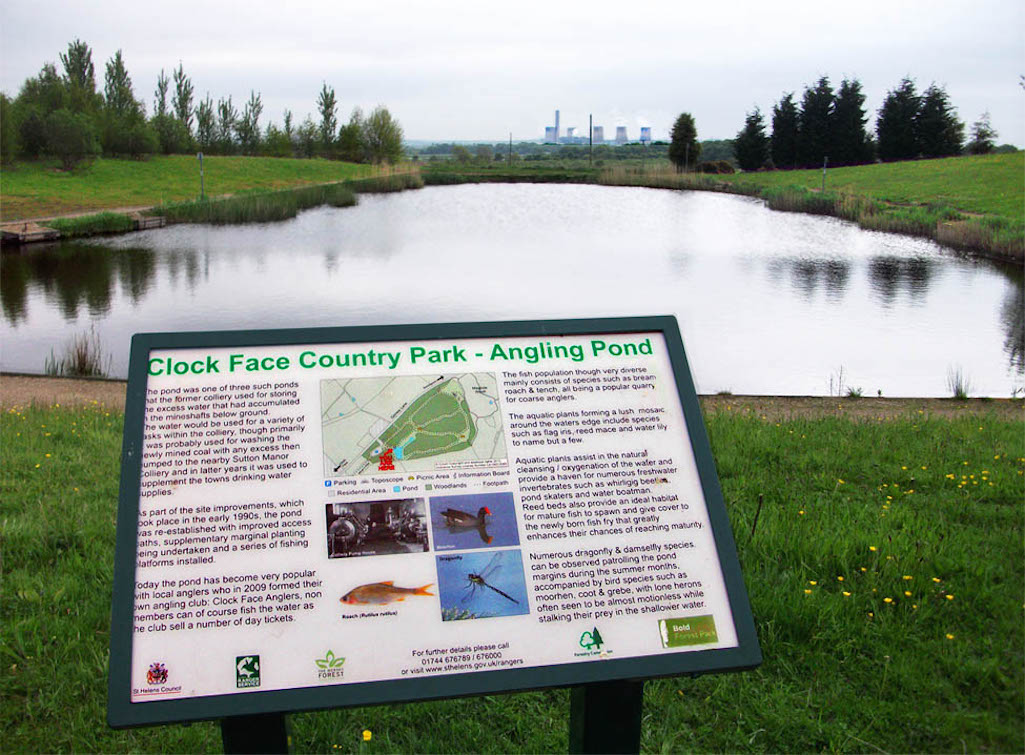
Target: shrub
{"x":70,"y":137}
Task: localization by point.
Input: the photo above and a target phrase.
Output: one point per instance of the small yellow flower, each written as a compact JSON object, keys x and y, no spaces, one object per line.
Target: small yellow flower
{"x":872,"y":548}
{"x":907,"y":593}
{"x":801,"y":512}
{"x":863,"y":568}
{"x":367,"y":735}
{"x":839,"y":579}
{"x":807,"y":591}
{"x":871,"y":615}
{"x":841,"y":482}
{"x":904,"y":468}
{"x":812,"y":582}
{"x":950,"y":636}
{"x":936,"y":579}
{"x":37,"y":466}
{"x":846,"y":594}
{"x":908,"y":578}
{"x":950,"y":597}
{"x":887,"y":600}
{"x":925,"y":467}
{"x":914,"y":606}
{"x":48,"y":456}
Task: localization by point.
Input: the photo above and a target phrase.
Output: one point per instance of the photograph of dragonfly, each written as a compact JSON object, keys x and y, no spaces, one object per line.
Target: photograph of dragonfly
{"x":482,"y":585}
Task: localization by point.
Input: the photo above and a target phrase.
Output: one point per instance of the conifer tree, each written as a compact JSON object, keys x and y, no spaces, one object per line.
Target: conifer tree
{"x":815,"y":139}
{"x":896,"y":123}
{"x":851,"y":144}
{"x":785,"y":130}
{"x":751,"y":147}
{"x":684,"y":148}
{"x":939,"y":132}
{"x":983,"y":136}
{"x":326,"y":106}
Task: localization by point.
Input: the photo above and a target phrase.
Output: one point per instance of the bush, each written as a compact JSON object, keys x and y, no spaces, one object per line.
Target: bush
{"x":32,"y":131}
{"x":128,"y":136}
{"x":69,"y":137}
{"x":725,"y":167}
{"x":8,"y":132}
{"x":172,"y":136}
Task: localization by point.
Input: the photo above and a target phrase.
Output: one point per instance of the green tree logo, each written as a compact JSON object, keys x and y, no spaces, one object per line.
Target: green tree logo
{"x":330,"y":661}
{"x":591,"y":640}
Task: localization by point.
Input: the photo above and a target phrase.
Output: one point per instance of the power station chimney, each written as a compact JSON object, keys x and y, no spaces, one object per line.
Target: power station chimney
{"x":556,"y":126}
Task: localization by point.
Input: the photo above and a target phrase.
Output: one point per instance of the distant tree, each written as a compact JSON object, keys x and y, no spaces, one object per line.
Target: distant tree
{"x":70,"y":137}
{"x":287,"y":128}
{"x":484,"y":153}
{"x":8,"y":130}
{"x":326,"y":106}
{"x":80,"y":77}
{"x":350,"y":139}
{"x":786,"y":124}
{"x":939,"y":132}
{"x":276,"y":142}
{"x":124,"y":130}
{"x":306,"y":137}
{"x":711,"y":149}
{"x":983,"y":136}
{"x":851,"y":144}
{"x":684,"y":149}
{"x":247,"y":128}
{"x":751,"y":146}
{"x":47,"y":91}
{"x":206,"y":125}
{"x":382,"y":137}
{"x":160,"y":94}
{"x":227,"y":117}
{"x":461,"y":154}
{"x":118,"y":97}
{"x":182,"y":99}
{"x":815,"y":134}
{"x":896,"y":134}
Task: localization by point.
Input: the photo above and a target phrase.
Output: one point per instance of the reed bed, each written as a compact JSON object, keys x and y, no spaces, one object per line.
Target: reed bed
{"x":257,"y":208}
{"x":989,"y":235}
{"x":90,"y":225}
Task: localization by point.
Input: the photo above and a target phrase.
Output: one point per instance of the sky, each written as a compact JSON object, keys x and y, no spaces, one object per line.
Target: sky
{"x":481,"y":71}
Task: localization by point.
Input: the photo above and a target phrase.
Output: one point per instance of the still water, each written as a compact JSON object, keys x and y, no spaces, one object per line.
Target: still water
{"x":768,"y":302}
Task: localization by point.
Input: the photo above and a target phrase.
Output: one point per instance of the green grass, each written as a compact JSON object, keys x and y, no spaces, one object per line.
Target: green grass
{"x":257,"y":207}
{"x":89,"y":225}
{"x":873,"y":502}
{"x":40,"y":189}
{"x":987,"y":184}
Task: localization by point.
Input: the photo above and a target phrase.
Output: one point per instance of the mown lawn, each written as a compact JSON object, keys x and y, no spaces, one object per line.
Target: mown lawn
{"x":885,"y":573}
{"x":42,"y":189}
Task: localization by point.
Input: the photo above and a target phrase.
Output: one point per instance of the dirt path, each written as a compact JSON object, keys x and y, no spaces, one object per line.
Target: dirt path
{"x":19,"y":390}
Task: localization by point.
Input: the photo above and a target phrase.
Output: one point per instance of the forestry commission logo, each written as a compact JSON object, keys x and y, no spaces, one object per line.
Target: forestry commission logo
{"x":330,"y":666}
{"x":157,"y":674}
{"x":247,"y":671}
{"x":591,"y":643}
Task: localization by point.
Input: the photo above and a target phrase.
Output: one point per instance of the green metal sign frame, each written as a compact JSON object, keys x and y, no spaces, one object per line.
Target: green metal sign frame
{"x":123,"y":713}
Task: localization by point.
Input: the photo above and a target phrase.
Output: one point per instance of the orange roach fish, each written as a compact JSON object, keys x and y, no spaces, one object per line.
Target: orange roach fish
{"x":380,"y":593}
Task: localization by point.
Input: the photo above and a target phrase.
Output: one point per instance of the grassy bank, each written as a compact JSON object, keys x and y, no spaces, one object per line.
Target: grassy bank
{"x":970,"y":203}
{"x":884,"y":562}
{"x":41,"y":189}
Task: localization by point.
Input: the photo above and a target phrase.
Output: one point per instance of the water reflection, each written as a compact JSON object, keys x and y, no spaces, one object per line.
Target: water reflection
{"x":892,"y":275}
{"x":74,"y":277}
{"x":890,"y":309}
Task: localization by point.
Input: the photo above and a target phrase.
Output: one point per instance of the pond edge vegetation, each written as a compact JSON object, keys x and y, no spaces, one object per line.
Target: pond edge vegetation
{"x":986,"y":235}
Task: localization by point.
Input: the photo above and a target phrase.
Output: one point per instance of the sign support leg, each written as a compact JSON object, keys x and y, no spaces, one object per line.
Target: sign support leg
{"x":260,"y":733}
{"x":606,"y":717}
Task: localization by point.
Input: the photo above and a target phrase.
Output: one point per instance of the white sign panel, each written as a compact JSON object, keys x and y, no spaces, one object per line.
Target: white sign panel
{"x":326,"y":514}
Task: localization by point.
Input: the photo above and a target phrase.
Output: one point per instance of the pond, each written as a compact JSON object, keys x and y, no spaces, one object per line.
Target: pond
{"x":768,"y":302}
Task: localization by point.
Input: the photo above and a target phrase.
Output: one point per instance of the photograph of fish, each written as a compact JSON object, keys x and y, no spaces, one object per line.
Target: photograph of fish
{"x":481,"y":585}
{"x":381,"y":593}
{"x":376,"y":528}
{"x":481,"y":520}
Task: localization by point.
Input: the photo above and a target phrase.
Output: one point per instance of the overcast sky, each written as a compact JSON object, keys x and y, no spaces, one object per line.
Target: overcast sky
{"x":477,"y":70}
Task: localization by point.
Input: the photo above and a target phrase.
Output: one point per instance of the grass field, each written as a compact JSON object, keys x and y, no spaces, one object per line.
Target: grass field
{"x":39,"y":189}
{"x":885,"y":572}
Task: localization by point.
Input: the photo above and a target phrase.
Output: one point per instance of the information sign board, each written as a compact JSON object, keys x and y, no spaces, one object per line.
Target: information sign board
{"x":347,"y":516}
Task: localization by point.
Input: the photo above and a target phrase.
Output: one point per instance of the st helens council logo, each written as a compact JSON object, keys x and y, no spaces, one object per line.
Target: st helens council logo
{"x":156,"y":682}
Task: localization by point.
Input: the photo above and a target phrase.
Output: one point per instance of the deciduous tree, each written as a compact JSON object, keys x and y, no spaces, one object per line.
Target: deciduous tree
{"x":382,"y":137}
{"x":182,"y":99}
{"x":326,"y":106}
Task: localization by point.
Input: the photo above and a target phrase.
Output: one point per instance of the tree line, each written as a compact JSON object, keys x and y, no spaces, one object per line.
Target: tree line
{"x":62,"y":114}
{"x":831,"y":125}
